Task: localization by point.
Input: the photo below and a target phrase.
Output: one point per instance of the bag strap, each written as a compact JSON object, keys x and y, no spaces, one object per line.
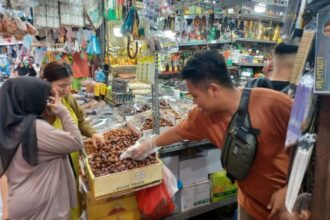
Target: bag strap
{"x":243,"y":112}
{"x":243,"y":106}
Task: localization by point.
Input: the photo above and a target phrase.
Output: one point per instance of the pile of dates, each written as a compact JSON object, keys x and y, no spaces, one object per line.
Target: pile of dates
{"x":104,"y":159}
{"x":163,"y":104}
{"x":148,"y":124}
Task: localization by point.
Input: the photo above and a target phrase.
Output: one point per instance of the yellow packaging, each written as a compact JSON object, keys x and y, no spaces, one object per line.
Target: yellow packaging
{"x":124,"y":181}
{"x":110,"y":207}
{"x":103,"y":89}
{"x":96,"y":89}
{"x":130,"y":215}
{"x":221,"y":187}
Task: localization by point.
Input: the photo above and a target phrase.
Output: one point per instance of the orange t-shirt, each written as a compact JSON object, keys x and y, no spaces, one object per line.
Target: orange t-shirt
{"x":269,"y":111}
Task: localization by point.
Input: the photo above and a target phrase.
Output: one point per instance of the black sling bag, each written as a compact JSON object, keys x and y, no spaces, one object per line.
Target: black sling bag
{"x":241,"y":143}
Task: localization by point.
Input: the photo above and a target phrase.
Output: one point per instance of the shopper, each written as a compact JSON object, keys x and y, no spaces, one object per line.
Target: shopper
{"x":34,"y":153}
{"x":60,"y":75}
{"x":25,"y":68}
{"x":282,"y":63}
{"x":217,"y":100}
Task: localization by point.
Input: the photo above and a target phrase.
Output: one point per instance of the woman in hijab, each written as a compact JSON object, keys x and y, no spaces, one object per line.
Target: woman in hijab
{"x":34,"y":154}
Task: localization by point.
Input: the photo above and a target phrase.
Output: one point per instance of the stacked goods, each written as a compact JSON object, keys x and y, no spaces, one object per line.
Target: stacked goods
{"x":105,"y":160}
{"x":149,"y":124}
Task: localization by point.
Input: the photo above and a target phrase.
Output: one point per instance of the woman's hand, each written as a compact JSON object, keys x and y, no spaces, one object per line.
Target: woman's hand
{"x":98,"y":139}
{"x":54,"y":103}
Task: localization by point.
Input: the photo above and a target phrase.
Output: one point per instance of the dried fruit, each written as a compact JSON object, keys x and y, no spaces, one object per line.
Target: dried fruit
{"x":105,"y":160}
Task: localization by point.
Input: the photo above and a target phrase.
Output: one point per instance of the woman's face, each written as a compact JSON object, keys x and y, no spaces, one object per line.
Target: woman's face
{"x":62,"y":86}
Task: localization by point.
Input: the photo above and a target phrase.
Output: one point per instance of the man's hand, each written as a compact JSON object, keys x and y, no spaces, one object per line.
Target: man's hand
{"x":141,"y":149}
{"x":98,"y":139}
{"x":276,"y":204}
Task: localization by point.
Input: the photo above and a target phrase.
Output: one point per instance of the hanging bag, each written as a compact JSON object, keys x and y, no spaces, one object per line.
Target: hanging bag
{"x":240,"y":147}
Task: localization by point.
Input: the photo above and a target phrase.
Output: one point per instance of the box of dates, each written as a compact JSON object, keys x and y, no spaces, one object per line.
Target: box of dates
{"x":107,"y":174}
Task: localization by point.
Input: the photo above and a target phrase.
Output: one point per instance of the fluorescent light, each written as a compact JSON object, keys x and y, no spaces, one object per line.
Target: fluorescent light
{"x":260,"y":8}
{"x":116,"y":31}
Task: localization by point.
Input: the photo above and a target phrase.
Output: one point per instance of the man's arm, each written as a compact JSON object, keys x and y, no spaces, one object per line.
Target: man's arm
{"x":170,"y":136}
{"x":145,"y":146}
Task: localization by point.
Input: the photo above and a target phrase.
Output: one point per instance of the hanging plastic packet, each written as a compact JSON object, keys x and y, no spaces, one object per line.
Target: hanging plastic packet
{"x":93,"y":10}
{"x":93,"y":47}
{"x":300,"y":164}
{"x":99,"y":75}
{"x":110,"y":10}
{"x":302,"y":110}
{"x":128,"y":24}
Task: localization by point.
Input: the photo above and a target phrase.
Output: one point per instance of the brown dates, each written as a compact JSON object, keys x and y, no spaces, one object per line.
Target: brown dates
{"x":104,"y":159}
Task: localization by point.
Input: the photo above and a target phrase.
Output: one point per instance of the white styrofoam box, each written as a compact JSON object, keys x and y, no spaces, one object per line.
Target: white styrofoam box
{"x":193,"y":170}
{"x":213,"y":160}
{"x":194,"y":196}
{"x":172,"y":163}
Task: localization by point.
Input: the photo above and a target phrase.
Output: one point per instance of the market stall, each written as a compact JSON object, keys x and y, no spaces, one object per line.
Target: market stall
{"x":126,"y":59}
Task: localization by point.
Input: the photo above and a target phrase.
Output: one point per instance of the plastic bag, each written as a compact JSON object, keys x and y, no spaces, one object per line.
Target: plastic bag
{"x":170,"y":181}
{"x":302,"y":109}
{"x":131,"y":23}
{"x":155,"y":202}
{"x":301,"y":161}
{"x":94,"y":46}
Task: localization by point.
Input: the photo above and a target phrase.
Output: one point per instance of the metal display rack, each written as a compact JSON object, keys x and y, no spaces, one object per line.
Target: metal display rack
{"x":155,"y":99}
{"x":183,"y":145}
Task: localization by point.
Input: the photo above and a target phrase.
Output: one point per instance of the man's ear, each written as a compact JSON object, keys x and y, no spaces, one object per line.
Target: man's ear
{"x":214,"y":89}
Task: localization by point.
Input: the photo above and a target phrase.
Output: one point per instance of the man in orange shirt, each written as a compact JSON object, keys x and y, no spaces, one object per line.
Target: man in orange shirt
{"x":217,"y":100}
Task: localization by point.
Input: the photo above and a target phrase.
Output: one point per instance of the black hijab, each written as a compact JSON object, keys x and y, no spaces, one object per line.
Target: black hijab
{"x":22,"y":100}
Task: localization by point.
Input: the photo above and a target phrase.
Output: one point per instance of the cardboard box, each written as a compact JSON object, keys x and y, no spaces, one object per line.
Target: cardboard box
{"x":129,"y":215}
{"x":195,"y":196}
{"x":221,"y":187}
{"x":126,"y":181}
{"x":213,"y":160}
{"x":172,"y":163}
{"x":193,"y":170}
{"x":92,"y":201}
{"x":96,"y":209}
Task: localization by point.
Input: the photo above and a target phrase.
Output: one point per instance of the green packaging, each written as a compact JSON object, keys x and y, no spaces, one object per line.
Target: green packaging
{"x":221,"y":187}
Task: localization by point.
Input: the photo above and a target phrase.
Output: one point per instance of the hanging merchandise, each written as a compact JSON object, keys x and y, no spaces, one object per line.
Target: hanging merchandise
{"x":305,"y":46}
{"x":131,"y":23}
{"x":27,"y":41}
{"x":72,"y":13}
{"x":302,"y":110}
{"x":46,"y":14}
{"x":110,"y":10}
{"x":93,"y":47}
{"x":99,"y":75}
{"x":322,"y":51}
{"x":12,"y":25}
{"x":300,"y":164}
{"x":93,"y":8}
{"x":80,"y":66}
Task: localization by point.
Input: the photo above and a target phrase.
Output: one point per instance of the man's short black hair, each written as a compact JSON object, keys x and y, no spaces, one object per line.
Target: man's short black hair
{"x":205,"y":67}
{"x":285,"y":49}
